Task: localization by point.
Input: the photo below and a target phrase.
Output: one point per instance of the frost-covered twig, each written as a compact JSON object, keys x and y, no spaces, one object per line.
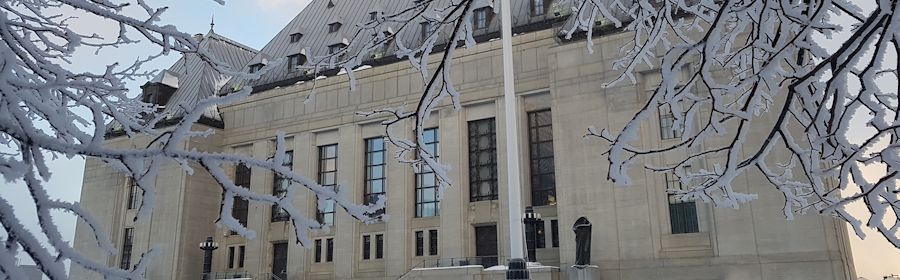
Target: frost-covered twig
{"x":41,"y":105}
{"x":731,"y":65}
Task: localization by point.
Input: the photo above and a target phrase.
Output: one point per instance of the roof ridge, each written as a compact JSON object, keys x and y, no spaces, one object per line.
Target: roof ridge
{"x":214,"y":35}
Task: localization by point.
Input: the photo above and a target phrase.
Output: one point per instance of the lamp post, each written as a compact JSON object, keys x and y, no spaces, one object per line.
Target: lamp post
{"x":531,"y":221}
{"x":208,"y":246}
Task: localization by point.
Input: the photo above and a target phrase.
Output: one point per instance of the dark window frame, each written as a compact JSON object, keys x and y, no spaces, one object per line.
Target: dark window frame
{"x":276,"y":257}
{"x":327,"y":216}
{"x":379,"y":246}
{"x":231,"y":256}
{"x":540,"y":241}
{"x":667,"y":123}
{"x":420,"y":243}
{"x":279,"y":189}
{"x":432,"y":242}
{"x":240,"y":207}
{"x":483,"y":187}
{"x":334,"y":27}
{"x":554,"y":231}
{"x":127,"y":246}
{"x":133,"y":197}
{"x":335,"y":48}
{"x":256,"y":67}
{"x":295,"y":37}
{"x":542,"y":164}
{"x":425,"y":30}
{"x":329,"y":249}
{"x":367,"y":247}
{"x":374,"y":146}
{"x":481,"y":18}
{"x":317,"y":253}
{"x":682,"y":214}
{"x":242,"y":253}
{"x":538,"y":7}
{"x":426,"y":192}
{"x":295,"y":61}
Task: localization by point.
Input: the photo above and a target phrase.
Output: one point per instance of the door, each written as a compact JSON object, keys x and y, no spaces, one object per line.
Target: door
{"x":279,"y":261}
{"x":486,"y":245}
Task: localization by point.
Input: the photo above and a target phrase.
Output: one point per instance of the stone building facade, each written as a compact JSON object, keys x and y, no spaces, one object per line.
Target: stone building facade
{"x":638,"y":231}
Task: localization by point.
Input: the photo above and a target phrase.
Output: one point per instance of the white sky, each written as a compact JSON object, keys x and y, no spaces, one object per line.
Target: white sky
{"x":254,"y":23}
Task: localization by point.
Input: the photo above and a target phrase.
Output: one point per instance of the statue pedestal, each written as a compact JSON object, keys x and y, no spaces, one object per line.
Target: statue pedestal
{"x":583,"y":272}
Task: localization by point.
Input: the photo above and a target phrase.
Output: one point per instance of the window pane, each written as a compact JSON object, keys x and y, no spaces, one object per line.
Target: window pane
{"x":426,"y":182}
{"x":432,"y":242}
{"x":543,"y":183}
{"x":366,"y":247}
{"x":379,"y":246}
{"x":327,"y":178}
{"x":420,"y":243}
{"x":318,"y":253}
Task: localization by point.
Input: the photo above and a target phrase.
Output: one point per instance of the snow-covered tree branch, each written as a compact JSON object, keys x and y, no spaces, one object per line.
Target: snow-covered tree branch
{"x":47,"y":111}
{"x":732,"y":65}
{"x":727,"y":65}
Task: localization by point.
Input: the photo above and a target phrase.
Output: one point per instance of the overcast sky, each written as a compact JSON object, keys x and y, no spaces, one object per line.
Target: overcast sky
{"x":253,"y":23}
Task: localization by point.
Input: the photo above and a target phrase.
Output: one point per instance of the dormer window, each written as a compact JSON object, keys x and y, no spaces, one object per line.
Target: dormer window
{"x":334,"y":27}
{"x":538,"y":7}
{"x":256,"y":67}
{"x":330,"y":4}
{"x":296,"y":37}
{"x":426,"y":30}
{"x":333,"y":49}
{"x":295,"y":61}
{"x":480,"y":18}
{"x":373,"y":16}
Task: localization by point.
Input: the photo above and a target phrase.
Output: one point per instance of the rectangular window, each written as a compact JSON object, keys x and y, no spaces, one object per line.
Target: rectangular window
{"x":482,"y":160}
{"x":420,"y":243}
{"x":541,"y":235}
{"x":329,"y":249}
{"x":334,"y":27}
{"x":433,"y":242}
{"x":425,"y":30}
{"x":537,"y":7}
{"x":240,"y":205}
{"x":682,"y":214}
{"x":666,"y":123}
{"x":480,"y":18}
{"x":374,"y":170}
{"x":373,"y":16}
{"x":295,"y":61}
{"x":279,"y":260}
{"x":256,"y":67}
{"x":554,"y":231}
{"x":296,"y":37}
{"x":379,"y":246}
{"x":279,"y":188}
{"x":327,"y":178}
{"x":127,"y":244}
{"x":133,"y":194}
{"x":318,"y":251}
{"x":543,"y":174}
{"x":366,"y":249}
{"x":426,"y":183}
{"x":332,"y":49}
{"x":231,"y":257}
{"x":241,"y":253}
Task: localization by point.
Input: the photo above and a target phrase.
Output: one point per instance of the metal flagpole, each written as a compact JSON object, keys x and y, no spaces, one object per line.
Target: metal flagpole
{"x":516,"y":237}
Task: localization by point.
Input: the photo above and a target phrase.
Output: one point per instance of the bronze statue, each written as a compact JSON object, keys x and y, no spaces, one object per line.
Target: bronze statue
{"x":582,"y":230}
